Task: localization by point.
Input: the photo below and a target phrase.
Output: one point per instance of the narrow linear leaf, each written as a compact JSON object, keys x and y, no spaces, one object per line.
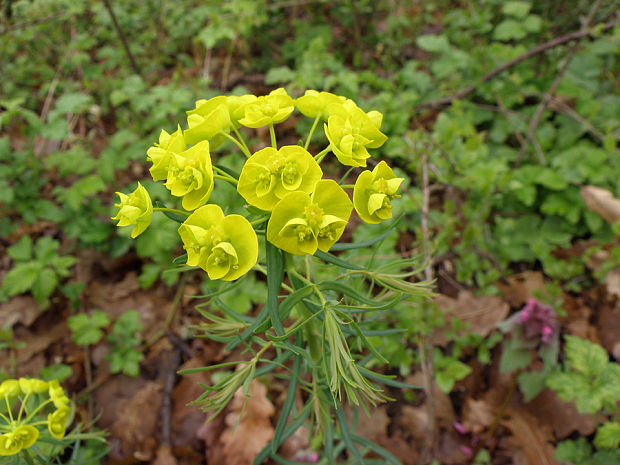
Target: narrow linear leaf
{"x":376,"y":449}
{"x":329,"y":258}
{"x":287,"y":407}
{"x":275,"y":275}
{"x":369,"y":242}
{"x":385,"y":379}
{"x":347,"y":435}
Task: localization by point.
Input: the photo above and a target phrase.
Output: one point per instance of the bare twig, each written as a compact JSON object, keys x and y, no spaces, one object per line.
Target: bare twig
{"x":89,"y":380}
{"x":173,"y":308}
{"x":575,"y":35}
{"x":121,"y":35}
{"x":561,"y":107}
{"x":425,"y":344}
{"x":206,"y":64}
{"x":227,"y":63}
{"x":509,"y":115}
{"x":172,"y":365}
{"x":12,"y":27}
{"x":535,"y":121}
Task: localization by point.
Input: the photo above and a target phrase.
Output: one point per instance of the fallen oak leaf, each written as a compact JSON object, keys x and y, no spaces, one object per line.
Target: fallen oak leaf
{"x":601,"y":201}
{"x":530,"y":437}
{"x":248,"y":428}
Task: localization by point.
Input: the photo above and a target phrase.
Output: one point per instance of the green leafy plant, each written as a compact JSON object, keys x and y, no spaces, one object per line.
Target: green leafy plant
{"x":534,"y":331}
{"x":88,"y":330}
{"x":589,"y":379}
{"x":38,"y":269}
{"x":448,"y":370}
{"x":592,"y":382}
{"x":125,"y":354}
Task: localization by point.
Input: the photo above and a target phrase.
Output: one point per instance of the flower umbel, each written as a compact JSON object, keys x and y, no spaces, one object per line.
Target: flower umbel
{"x":20,"y":432}
{"x":190,"y":175}
{"x":351,"y":131}
{"x":301,"y":223}
{"x":226,"y":247}
{"x":373,"y":193}
{"x":135,"y":208}
{"x":161,"y":154}
{"x":270,"y":174}
{"x":268,"y":109}
{"x":207,"y":121}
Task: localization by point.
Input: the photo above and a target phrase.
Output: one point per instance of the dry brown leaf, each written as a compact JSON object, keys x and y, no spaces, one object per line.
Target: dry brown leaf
{"x":373,"y":427}
{"x":245,"y":436}
{"x":444,"y":412}
{"x":482,"y":313}
{"x":601,"y":201}
{"x":21,"y":309}
{"x":403,"y":450}
{"x":477,"y":415}
{"x":164,"y":456}
{"x":562,"y":417}
{"x":36,"y":342}
{"x":518,"y":288}
{"x":187,"y":419}
{"x":612,"y":282}
{"x":136,"y":425}
{"x":608,"y":325}
{"x":210,"y":433}
{"x":530,"y":437}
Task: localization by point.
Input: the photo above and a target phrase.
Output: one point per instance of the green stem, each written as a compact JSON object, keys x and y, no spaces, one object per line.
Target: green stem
{"x":36,"y":410}
{"x":229,"y":179}
{"x":224,"y":173}
{"x":316,"y":121}
{"x":241,"y":139}
{"x":272,"y":134}
{"x":319,"y":157}
{"x":259,"y":221}
{"x":8,"y":407}
{"x":171,"y":210}
{"x":262,"y":270}
{"x":347,"y":186}
{"x":22,"y":406}
{"x":27,"y":457}
{"x":245,"y":151}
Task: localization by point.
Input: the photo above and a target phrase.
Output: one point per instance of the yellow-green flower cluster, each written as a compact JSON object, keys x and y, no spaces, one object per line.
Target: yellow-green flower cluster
{"x":225,"y":247}
{"x":35,"y":396}
{"x":304,"y":212}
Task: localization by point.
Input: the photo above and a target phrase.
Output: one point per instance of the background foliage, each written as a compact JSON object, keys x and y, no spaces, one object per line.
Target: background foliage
{"x":507,"y":160}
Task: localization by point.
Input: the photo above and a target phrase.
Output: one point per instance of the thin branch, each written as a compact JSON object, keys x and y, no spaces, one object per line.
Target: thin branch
{"x":561,"y":107}
{"x":576,"y":35}
{"x":12,"y":27}
{"x":425,"y":342}
{"x":121,"y":35}
{"x":535,"y":121}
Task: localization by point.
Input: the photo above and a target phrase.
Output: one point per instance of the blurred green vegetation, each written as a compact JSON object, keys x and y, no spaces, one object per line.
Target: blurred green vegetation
{"x":506,"y":161}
